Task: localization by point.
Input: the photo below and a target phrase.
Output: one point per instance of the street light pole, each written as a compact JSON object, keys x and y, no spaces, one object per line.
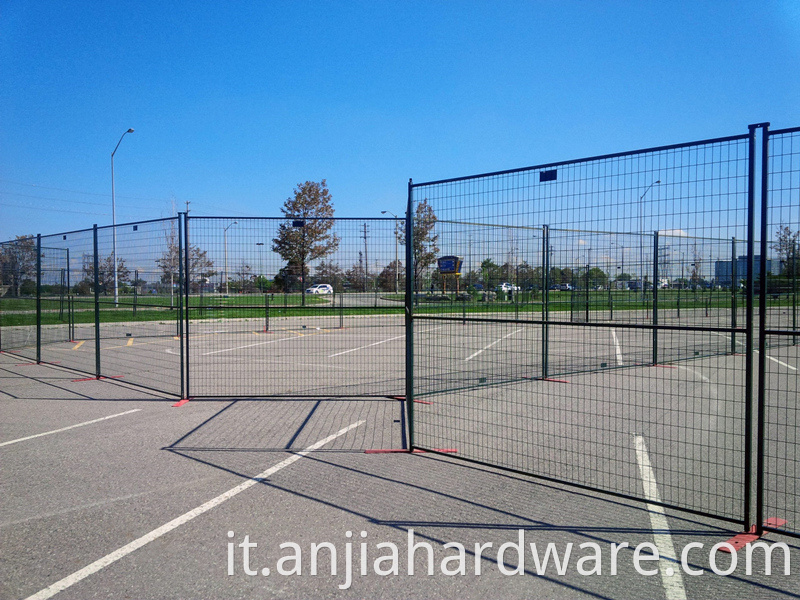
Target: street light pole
{"x":641,"y":238}
{"x":225,"y":238}
{"x":260,"y":265}
{"x":396,"y":244}
{"x":114,"y":220}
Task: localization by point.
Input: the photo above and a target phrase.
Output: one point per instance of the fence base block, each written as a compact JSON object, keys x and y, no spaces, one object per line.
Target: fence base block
{"x":741,"y":540}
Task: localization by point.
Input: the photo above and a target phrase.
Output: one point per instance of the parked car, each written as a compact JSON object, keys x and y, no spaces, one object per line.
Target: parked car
{"x":507,"y":287}
{"x":320,"y":288}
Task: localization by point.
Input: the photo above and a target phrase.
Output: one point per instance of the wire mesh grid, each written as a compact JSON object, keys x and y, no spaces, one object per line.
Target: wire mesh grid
{"x":18,"y":296}
{"x":780,"y":415}
{"x":294,"y":307}
{"x":633,"y":334}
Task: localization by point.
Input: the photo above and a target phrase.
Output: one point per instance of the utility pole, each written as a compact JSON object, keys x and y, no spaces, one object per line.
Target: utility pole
{"x":366,"y":259}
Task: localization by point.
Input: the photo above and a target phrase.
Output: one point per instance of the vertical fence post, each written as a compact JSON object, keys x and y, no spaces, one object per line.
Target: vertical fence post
{"x":183,"y":282}
{"x":96,"y":265}
{"x":794,"y":291}
{"x":749,"y":308}
{"x":409,"y":313}
{"x":762,"y":326}
{"x":545,"y":295}
{"x":734,"y":286}
{"x":70,"y":320}
{"x":185,"y":366}
{"x":39,"y":298}
{"x":655,"y":297}
{"x":135,"y":289}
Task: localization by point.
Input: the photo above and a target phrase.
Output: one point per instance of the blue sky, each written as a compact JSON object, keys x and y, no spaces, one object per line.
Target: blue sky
{"x":235,"y":103}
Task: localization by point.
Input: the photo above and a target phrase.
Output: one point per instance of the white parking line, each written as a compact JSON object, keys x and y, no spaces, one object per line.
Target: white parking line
{"x":30,"y":437}
{"x":670,"y":576}
{"x":296,"y":337}
{"x":616,"y":345}
{"x":485,"y":348}
{"x":367,"y":346}
{"x":111,"y":558}
{"x":780,"y":362}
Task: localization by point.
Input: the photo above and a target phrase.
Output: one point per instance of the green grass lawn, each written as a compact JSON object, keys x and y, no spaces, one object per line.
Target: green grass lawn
{"x":22,"y":311}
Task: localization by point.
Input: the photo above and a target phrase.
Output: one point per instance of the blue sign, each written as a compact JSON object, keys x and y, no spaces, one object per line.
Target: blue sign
{"x":450,"y":265}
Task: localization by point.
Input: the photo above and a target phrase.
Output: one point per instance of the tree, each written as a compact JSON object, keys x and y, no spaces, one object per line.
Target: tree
{"x":243,"y":280}
{"x":201,"y":268}
{"x":392,"y":274}
{"x":105,"y":275}
{"x":491,"y":273}
{"x":356,"y":275}
{"x":331,"y":273}
{"x":306,"y":234}
{"x":424,"y":248}
{"x":18,"y":262}
{"x":785,"y":246}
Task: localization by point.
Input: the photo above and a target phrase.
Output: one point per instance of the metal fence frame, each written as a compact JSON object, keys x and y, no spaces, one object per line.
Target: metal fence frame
{"x":752,"y":334}
{"x":764,"y":486}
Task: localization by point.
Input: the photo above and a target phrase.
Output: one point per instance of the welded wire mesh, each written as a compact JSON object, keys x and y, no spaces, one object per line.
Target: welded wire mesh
{"x":629,"y":331}
{"x":68,"y":336}
{"x":18,"y":296}
{"x":140,"y":316}
{"x":780,"y":361}
{"x":267,"y":320}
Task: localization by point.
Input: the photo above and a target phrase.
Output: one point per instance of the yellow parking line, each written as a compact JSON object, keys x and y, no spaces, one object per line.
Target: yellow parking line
{"x":130,"y":342}
{"x":78,"y":345}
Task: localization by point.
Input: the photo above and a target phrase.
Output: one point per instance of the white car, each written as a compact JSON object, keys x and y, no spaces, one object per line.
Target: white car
{"x":320,"y":288}
{"x":507,"y":287}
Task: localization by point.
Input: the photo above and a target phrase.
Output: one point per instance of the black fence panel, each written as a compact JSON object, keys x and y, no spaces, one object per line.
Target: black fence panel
{"x":592,"y":327}
{"x":295,"y":307}
{"x":778,"y":453}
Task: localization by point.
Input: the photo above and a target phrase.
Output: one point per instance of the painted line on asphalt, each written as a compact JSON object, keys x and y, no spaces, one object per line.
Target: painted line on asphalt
{"x":367,"y":346}
{"x":773,"y":359}
{"x":30,"y":437}
{"x":113,"y":557}
{"x":295,"y":337}
{"x":671,"y":577}
{"x":485,"y":348}
{"x":617,"y":346}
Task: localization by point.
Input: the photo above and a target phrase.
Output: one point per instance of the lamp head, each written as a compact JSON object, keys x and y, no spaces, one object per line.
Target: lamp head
{"x":130,"y":130}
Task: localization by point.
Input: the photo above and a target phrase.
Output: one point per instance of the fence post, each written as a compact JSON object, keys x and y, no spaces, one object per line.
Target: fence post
{"x":734,"y":289}
{"x":187,"y":250}
{"x":135,"y":289}
{"x":39,"y":298}
{"x":183,"y":282}
{"x":409,"y":313}
{"x":762,"y":326}
{"x":545,"y":295}
{"x":794,"y":291}
{"x":655,"y":297}
{"x":70,"y":316}
{"x":96,"y":266}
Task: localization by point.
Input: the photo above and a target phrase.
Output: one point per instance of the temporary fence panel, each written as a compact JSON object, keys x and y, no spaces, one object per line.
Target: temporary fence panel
{"x":579,"y":379}
{"x":298,"y":306}
{"x":778,"y":456}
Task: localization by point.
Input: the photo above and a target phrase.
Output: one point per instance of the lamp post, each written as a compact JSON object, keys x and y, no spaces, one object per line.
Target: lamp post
{"x":260,"y":265}
{"x":114,"y":220}
{"x":225,"y":238}
{"x":396,"y":243}
{"x":641,"y":237}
